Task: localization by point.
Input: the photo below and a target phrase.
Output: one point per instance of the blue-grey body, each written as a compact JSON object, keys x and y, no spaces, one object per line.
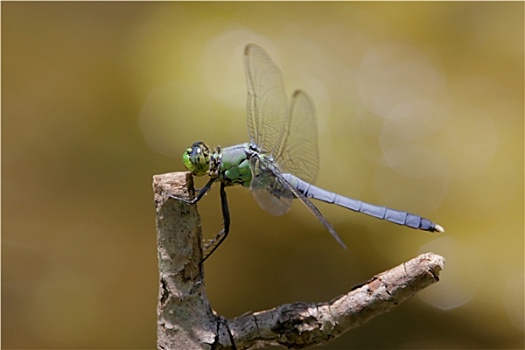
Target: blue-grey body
{"x":234,"y":168}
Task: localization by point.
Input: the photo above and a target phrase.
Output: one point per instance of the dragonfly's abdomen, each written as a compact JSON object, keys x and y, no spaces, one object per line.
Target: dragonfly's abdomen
{"x":392,"y":215}
{"x":235,"y":166}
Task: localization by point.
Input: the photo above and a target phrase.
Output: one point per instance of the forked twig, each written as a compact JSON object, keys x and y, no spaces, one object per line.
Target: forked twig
{"x":186,"y":320}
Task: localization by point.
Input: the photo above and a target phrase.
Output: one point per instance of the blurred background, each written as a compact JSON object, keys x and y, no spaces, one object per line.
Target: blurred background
{"x":420,"y":108}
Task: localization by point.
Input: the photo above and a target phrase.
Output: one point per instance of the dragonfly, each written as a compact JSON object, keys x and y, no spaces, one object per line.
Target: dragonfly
{"x":281,"y":161}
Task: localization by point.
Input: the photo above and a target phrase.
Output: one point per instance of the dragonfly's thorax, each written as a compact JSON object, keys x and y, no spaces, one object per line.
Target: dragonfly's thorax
{"x":233,"y":166}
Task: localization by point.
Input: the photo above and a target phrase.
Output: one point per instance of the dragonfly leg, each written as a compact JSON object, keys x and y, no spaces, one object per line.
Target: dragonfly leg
{"x":216,"y":242}
{"x":201,"y":193}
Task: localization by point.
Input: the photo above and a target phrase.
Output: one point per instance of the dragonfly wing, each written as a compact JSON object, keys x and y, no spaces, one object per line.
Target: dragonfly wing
{"x":274,"y":193}
{"x":270,"y":191}
{"x":266,"y":104}
{"x":270,"y":203}
{"x":289,"y":135}
{"x":298,"y":152}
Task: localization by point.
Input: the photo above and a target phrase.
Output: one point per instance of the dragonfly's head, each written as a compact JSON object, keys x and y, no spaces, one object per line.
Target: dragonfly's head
{"x":197,"y":158}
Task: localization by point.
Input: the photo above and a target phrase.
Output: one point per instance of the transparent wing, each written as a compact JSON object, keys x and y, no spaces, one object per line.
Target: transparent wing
{"x":266,"y":104}
{"x":269,"y":189}
{"x":298,"y":153}
{"x":274,"y":193}
{"x":287,"y":135}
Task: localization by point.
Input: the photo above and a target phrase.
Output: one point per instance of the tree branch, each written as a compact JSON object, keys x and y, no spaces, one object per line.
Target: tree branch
{"x":186,"y":320}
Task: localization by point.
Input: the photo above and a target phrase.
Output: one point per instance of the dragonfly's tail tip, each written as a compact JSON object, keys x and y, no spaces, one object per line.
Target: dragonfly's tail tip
{"x":439,"y":228}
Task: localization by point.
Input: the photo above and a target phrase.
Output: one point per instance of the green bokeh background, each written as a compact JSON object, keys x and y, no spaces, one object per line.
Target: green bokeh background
{"x":420,"y":108}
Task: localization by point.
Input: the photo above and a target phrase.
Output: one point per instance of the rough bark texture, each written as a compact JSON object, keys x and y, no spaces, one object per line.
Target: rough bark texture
{"x":186,"y":320}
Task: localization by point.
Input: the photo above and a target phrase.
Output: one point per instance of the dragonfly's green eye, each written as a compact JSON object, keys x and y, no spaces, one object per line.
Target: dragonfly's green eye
{"x":197,"y":158}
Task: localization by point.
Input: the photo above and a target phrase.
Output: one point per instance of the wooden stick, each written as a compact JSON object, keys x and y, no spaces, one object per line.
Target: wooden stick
{"x":186,"y":320}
